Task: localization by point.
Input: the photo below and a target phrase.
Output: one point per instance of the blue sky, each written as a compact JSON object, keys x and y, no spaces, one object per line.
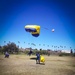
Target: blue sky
{"x":57,"y":14}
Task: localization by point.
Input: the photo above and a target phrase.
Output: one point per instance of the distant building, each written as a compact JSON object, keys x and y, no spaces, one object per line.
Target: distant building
{"x":28,"y":49}
{"x":56,"y":52}
{"x":21,"y":49}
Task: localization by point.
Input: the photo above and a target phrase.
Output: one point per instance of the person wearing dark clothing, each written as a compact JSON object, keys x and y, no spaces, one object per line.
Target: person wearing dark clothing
{"x":6,"y":54}
{"x":38,"y":58}
{"x":30,"y":53}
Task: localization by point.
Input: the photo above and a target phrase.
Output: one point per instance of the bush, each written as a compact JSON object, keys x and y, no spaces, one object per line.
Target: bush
{"x":10,"y":48}
{"x":64,"y":54}
{"x":74,"y":54}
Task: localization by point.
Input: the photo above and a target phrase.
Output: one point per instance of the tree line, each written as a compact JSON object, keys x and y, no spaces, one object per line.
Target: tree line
{"x":12,"y":48}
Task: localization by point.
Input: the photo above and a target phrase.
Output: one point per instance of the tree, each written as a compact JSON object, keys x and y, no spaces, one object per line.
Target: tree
{"x":1,"y":51}
{"x":74,"y":52}
{"x":10,"y":47}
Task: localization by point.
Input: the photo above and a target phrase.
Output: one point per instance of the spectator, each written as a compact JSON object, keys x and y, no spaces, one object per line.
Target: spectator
{"x":6,"y":55}
{"x":38,"y":58}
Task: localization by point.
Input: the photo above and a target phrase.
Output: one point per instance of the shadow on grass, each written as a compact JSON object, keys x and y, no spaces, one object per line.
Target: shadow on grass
{"x":34,"y":58}
{"x":42,"y":63}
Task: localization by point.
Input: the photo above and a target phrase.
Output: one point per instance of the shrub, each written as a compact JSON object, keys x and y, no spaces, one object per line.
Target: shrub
{"x":64,"y":54}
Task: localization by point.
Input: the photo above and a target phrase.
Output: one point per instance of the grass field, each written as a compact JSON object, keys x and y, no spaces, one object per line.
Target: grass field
{"x":23,"y":65}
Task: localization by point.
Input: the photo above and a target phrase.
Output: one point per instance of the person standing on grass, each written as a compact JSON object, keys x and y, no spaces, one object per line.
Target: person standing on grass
{"x":37,"y":58}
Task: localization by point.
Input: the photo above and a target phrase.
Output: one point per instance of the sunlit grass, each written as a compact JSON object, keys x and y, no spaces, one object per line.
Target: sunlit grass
{"x":23,"y":65}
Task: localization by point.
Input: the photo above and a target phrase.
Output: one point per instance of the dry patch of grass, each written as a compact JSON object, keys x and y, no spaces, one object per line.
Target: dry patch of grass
{"x":23,"y":65}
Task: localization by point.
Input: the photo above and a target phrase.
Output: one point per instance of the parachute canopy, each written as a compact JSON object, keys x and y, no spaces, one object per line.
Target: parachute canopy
{"x":33,"y":29}
{"x":42,"y":59}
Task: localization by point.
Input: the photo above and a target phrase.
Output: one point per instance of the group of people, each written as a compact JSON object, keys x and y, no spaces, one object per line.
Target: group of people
{"x":39,"y":58}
